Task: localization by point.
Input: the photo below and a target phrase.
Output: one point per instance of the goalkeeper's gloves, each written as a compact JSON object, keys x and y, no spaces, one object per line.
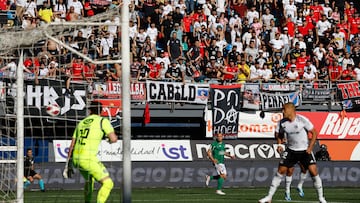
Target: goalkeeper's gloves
{"x":68,"y":170}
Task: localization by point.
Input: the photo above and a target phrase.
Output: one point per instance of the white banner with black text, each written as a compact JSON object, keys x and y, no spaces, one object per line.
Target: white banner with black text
{"x":177,"y":92}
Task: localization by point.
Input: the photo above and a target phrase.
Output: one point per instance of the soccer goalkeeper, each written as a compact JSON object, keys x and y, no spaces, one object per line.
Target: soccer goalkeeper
{"x":216,"y":154}
{"x":84,"y":148}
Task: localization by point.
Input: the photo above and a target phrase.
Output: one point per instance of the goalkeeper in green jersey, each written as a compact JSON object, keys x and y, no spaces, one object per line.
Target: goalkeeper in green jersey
{"x":83,"y":152}
{"x":216,"y":154}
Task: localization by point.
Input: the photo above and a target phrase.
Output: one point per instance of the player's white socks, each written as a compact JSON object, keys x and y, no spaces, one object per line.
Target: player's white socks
{"x":303,"y":177}
{"x":275,"y":184}
{"x":288,"y":180}
{"x":318,"y":186}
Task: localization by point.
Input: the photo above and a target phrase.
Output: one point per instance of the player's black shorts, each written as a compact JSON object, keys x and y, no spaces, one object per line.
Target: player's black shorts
{"x":28,"y":173}
{"x":290,"y":157}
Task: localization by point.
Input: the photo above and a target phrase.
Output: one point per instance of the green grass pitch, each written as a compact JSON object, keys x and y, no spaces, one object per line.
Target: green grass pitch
{"x":197,"y":195}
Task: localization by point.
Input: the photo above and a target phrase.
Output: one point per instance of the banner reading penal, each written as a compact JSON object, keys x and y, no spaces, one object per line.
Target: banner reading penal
{"x":275,"y":101}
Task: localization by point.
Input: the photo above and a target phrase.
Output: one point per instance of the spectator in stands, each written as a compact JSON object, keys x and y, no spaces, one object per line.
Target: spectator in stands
{"x":322,"y":27}
{"x":106,"y":44}
{"x":277,"y":44}
{"x":255,"y":72}
{"x":52,"y":70}
{"x":174,"y":46}
{"x":348,"y":73}
{"x":266,"y":73}
{"x":292,"y":74}
{"x":319,"y":54}
{"x":279,"y":71}
{"x":174,"y":72}
{"x":194,"y":52}
{"x":30,"y":8}
{"x":251,"y":50}
{"x":89,"y":72}
{"x":45,"y":13}
{"x":212,"y":69}
{"x":60,"y":8}
{"x":143,"y":72}
{"x":357,"y":72}
{"x":339,"y":40}
{"x":229,"y":72}
{"x":290,"y":10}
{"x":347,"y":60}
{"x":78,"y":8}
{"x":71,"y":15}
{"x":335,"y":71}
{"x":309,"y":77}
{"x":243,"y":71}
{"x":154,"y":70}
{"x":9,"y":70}
{"x":197,"y":71}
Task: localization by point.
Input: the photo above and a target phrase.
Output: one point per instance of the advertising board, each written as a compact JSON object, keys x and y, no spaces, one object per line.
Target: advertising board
{"x":141,"y":150}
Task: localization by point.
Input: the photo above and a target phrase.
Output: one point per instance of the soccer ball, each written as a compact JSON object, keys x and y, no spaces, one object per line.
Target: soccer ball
{"x":53,"y":109}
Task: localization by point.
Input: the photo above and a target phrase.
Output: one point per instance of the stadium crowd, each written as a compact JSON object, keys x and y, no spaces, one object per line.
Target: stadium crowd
{"x":232,"y":41}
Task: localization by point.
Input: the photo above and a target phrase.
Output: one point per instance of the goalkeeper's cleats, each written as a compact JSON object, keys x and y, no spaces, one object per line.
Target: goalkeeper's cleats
{"x":300,"y":191}
{"x":266,"y":199}
{"x":287,"y":197}
{"x":219,"y":192}
{"x":207,"y":180}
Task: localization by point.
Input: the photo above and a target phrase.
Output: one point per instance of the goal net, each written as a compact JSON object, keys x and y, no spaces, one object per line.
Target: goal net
{"x":65,"y":66}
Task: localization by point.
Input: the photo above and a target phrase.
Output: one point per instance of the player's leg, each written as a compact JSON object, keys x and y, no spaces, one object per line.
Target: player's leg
{"x":288,"y":180}
{"x":310,"y":163}
{"x":41,"y":181}
{"x":288,"y":160}
{"x":104,"y":192}
{"x":221,"y":170}
{"x":100,"y":174}
{"x":26,"y":182}
{"x":89,"y":185}
{"x":303,"y":176}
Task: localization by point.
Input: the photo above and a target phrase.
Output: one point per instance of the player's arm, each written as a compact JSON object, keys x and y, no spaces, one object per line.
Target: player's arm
{"x":312,"y":142}
{"x":279,"y":141}
{"x":229,"y":155}
{"x":209,"y":153}
{"x":109,"y":131}
{"x":73,"y":140}
{"x":112,"y":137}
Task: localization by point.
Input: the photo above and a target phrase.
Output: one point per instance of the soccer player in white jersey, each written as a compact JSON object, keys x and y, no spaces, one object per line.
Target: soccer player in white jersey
{"x":299,"y":149}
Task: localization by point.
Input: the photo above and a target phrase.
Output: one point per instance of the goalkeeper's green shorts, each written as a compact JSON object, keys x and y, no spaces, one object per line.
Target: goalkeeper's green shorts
{"x":91,"y":168}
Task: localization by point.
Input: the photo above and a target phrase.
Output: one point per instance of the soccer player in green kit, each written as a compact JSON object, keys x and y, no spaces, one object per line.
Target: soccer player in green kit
{"x":216,"y":154}
{"x":83,"y":152}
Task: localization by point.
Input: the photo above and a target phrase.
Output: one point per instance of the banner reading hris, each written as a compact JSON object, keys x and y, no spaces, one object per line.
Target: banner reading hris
{"x":225,"y":101}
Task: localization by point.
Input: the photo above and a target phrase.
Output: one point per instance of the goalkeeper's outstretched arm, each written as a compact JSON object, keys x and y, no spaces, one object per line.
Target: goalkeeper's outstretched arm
{"x":68,"y":170}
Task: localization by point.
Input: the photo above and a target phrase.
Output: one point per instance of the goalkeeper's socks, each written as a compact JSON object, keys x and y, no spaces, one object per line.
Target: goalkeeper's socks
{"x":41,"y":184}
{"x":26,"y":184}
{"x":220,"y":183}
{"x":105,"y":190}
{"x":89,"y":188}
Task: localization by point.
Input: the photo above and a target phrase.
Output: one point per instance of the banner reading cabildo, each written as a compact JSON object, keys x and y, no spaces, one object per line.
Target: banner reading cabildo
{"x":225,"y":101}
{"x":177,"y":92}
